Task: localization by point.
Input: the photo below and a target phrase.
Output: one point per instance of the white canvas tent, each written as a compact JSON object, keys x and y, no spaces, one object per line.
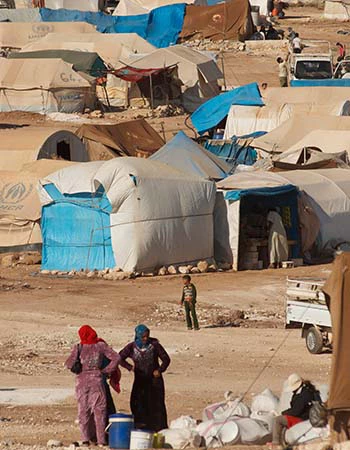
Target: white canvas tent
{"x":43,"y":86}
{"x":158,"y":215}
{"x":337,"y":10}
{"x":113,"y":48}
{"x":85,"y":5}
{"x":27,"y":144}
{"x":327,"y":192}
{"x":282,"y":103}
{"x":18,"y":34}
{"x":20,"y":208}
{"x":329,"y":133}
{"x":136,"y":7}
{"x":198,"y":73}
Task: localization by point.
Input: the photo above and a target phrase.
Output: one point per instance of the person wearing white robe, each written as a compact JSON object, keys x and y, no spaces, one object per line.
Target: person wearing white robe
{"x":278,"y":243}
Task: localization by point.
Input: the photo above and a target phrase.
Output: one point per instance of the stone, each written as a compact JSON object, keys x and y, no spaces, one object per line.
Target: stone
{"x":172,"y":270}
{"x":162,"y":271}
{"x":118,"y":276}
{"x":72,"y":273}
{"x":224,"y":266}
{"x":97,"y":114}
{"x":45,"y":272}
{"x":203,"y":266}
{"x":54,"y":443}
{"x":195,"y":270}
{"x":116,"y":269}
{"x":184,"y":270}
{"x":30,"y":259}
{"x":54,"y":272}
{"x":212,"y":268}
{"x":9,"y":260}
{"x":91,"y":274}
{"x":148,"y":274}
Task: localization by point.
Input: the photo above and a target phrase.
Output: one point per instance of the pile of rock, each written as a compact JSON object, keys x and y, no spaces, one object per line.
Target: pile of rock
{"x":14,"y":259}
{"x":117,"y":274}
{"x":168,"y":111}
{"x":217,"y":46}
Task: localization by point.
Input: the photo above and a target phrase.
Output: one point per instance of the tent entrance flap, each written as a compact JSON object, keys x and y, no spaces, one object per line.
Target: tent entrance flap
{"x":254,"y":205}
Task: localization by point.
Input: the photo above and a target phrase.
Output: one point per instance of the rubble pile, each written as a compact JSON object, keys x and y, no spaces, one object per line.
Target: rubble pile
{"x":217,"y":46}
{"x":215,"y":316}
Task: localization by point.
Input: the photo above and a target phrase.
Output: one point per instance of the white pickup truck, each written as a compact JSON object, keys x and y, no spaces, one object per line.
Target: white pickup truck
{"x":315,"y":62}
{"x":306,"y":308}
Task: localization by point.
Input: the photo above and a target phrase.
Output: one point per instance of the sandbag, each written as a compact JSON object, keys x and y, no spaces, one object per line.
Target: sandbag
{"x":252,"y":432}
{"x":181,"y":438}
{"x":266,"y":418}
{"x":183,"y":423}
{"x":224,"y":410}
{"x":265,"y":402}
{"x":304,"y":432}
{"x":219,"y":433}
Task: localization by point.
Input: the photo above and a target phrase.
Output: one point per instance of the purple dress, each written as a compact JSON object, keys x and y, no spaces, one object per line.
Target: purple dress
{"x":90,"y":390}
{"x":147,"y":400}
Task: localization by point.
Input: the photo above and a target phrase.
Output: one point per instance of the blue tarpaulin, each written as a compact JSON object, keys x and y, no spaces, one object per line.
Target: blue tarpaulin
{"x":161,"y":27}
{"x":343,"y":82}
{"x":68,"y":247}
{"x":233,"y":152}
{"x":268,"y":191}
{"x":212,"y":112}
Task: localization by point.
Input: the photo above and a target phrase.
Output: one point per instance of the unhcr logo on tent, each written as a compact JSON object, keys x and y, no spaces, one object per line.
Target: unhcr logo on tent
{"x":40,"y":30}
{"x":12,"y":194}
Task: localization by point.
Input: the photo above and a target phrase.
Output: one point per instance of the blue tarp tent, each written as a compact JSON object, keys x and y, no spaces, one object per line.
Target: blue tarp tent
{"x":161,"y":27}
{"x":76,"y":231}
{"x":212,"y":112}
{"x":185,"y":155}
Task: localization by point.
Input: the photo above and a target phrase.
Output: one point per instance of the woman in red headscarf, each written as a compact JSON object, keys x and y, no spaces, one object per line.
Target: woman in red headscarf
{"x":90,"y":388}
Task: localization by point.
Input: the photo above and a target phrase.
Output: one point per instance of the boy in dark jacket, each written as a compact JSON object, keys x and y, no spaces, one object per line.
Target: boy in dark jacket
{"x":189,"y":299}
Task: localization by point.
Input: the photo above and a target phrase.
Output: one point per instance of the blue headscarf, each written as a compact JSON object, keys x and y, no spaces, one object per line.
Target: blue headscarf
{"x":140,"y":330}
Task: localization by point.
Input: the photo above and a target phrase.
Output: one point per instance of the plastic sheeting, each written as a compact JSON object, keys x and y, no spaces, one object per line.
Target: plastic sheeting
{"x":185,"y":155}
{"x":341,"y":82}
{"x":76,"y":231}
{"x":159,"y":216}
{"x":211,"y":113}
{"x":161,"y":27}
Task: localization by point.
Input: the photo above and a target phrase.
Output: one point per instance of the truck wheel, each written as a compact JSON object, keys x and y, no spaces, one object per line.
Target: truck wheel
{"x":314,"y":341}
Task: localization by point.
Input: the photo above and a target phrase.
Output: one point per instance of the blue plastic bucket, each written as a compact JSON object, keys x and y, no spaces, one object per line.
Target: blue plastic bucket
{"x":119,"y":429}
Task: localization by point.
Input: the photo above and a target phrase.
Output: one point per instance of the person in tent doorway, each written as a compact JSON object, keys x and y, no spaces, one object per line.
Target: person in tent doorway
{"x":90,"y":389}
{"x":277,"y":243}
{"x":282,"y":72}
{"x":189,"y":299}
{"x":303,"y":394}
{"x":150,"y":361}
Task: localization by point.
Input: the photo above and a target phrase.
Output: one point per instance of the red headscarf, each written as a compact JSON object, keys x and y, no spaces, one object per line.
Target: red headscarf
{"x":88,"y":335}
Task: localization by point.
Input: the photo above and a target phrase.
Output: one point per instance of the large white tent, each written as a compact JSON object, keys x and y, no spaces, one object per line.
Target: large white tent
{"x":113,"y":48}
{"x":134,"y":213}
{"x":282,"y":103}
{"x":20,"y":34}
{"x":327,"y":192}
{"x":42,"y":86}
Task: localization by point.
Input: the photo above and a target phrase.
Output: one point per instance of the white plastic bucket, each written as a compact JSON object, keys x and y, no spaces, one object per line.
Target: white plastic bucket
{"x":141,"y":440}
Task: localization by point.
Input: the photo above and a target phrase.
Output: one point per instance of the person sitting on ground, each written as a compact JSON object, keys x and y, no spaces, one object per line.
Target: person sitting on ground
{"x":282,"y":72}
{"x":291,"y":34}
{"x":189,"y":299}
{"x":272,"y":33}
{"x":304,"y":393}
{"x":296,"y":43}
{"x":341,"y":49}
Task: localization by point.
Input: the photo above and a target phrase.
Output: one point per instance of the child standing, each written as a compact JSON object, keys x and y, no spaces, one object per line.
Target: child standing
{"x":189,"y":299}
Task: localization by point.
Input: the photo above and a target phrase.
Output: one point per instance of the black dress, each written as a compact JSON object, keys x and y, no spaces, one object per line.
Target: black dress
{"x":147,"y":400}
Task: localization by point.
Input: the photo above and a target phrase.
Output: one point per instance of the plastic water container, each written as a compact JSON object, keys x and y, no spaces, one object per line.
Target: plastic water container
{"x":119,"y":428}
{"x":141,"y":440}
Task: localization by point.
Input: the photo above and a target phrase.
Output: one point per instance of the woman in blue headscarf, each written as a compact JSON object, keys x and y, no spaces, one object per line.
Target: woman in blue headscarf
{"x":150,"y":361}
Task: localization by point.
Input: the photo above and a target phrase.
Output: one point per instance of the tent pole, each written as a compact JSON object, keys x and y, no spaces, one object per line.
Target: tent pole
{"x":151,"y":88}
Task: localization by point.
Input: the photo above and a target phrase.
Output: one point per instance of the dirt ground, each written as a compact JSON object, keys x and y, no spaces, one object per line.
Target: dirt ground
{"x":40,"y":316}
